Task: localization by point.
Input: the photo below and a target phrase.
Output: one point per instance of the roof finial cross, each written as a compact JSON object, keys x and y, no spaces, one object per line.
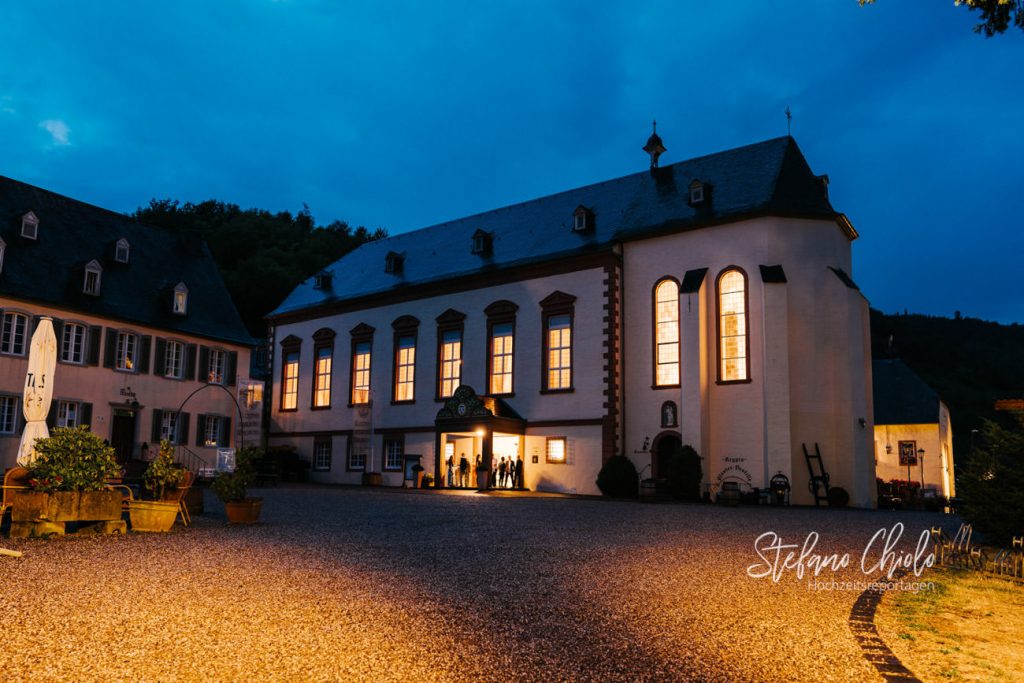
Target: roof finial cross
{"x":789,"y":122}
{"x":654,"y":125}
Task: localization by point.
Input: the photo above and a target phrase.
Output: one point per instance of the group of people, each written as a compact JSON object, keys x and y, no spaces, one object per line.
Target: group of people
{"x":505,"y":472}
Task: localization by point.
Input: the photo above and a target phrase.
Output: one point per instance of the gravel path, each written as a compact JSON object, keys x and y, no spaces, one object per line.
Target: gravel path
{"x":356,"y":584}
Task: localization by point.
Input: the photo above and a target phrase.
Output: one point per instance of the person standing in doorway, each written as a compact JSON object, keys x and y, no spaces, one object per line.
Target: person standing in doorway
{"x":512,"y":472}
{"x":519,"y":473}
{"x":450,"y":463}
{"x":502,"y":472}
{"x":463,"y":471}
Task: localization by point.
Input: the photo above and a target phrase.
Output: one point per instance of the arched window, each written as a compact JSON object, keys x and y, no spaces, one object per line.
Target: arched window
{"x":732,"y":326}
{"x":666,"y":333}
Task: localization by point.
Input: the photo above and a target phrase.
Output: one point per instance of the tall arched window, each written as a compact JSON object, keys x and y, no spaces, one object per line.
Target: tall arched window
{"x":732,"y":326}
{"x":666,"y":333}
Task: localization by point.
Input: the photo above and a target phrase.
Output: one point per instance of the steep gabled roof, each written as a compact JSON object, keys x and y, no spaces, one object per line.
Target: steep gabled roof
{"x":49,"y":270}
{"x":901,"y":397}
{"x":767,"y":178}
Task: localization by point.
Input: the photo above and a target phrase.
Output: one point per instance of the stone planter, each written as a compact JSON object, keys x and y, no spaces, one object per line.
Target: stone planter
{"x":245,"y":511}
{"x":152,"y":515}
{"x":34,"y":513}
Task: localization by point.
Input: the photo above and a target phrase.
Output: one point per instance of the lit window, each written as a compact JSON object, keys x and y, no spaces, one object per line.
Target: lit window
{"x":180,"y":303}
{"x":169,"y":426}
{"x":126,"y":349}
{"x":212,"y":431}
{"x":559,"y":352}
{"x":393,"y":451}
{"x":501,"y":358}
{"x":405,"y":368}
{"x":322,"y":453}
{"x":361,"y":372}
{"x":173,"y":359}
{"x":322,"y":379}
{"x":732,"y":326}
{"x":9,"y":406}
{"x":122,"y":251}
{"x":451,"y":362}
{"x":216,"y":371}
{"x":556,"y":450}
{"x":253,"y":394}
{"x":67,"y":414}
{"x":290,"y":381}
{"x":13,"y":337}
{"x":30,"y":226}
{"x":666,"y":333}
{"x":72,"y":345}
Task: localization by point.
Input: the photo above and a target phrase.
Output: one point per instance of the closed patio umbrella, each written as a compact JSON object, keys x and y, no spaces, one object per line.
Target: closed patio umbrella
{"x":42,"y":362}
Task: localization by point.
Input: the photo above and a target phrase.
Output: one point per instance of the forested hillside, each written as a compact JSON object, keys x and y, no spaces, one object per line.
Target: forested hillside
{"x":262,"y":255}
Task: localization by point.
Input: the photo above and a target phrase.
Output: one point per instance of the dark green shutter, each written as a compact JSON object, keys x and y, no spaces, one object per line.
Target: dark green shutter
{"x":182,"y":436}
{"x":110,"y":349}
{"x":160,"y":357}
{"x":231,"y":370}
{"x":190,"y":362}
{"x":85,"y":416}
{"x":58,"y":333}
{"x":51,"y":417}
{"x":92,"y":343}
{"x":157,"y":419}
{"x":224,"y":438}
{"x":200,"y":428}
{"x":144,"y":346}
{"x":203,"y":371}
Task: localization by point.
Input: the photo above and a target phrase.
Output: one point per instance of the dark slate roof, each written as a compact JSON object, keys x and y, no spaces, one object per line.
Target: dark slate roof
{"x":50,"y":270}
{"x":901,"y":397}
{"x":770,"y":177}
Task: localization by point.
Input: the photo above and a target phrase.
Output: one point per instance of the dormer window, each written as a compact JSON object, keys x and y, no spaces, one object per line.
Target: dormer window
{"x":393,"y":262}
{"x":582,"y":219}
{"x":30,"y":226}
{"x":322,"y":280}
{"x":180,"y":303}
{"x":91,"y":284}
{"x":482,"y":242}
{"x":122,"y":250}
{"x":698,"y":192}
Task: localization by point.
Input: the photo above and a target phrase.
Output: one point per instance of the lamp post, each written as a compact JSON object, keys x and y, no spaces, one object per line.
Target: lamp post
{"x":920,"y":457}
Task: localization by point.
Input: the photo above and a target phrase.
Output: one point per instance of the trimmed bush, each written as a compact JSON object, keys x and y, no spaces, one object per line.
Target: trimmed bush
{"x":838,"y":497}
{"x":72,"y":459}
{"x":618,"y":478}
{"x":684,"y":474}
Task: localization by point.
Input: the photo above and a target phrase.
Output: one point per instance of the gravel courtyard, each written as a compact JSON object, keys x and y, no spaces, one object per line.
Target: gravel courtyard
{"x":358,"y":584}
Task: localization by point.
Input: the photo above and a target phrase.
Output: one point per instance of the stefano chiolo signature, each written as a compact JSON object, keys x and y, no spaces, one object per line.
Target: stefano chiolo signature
{"x":881,"y":555}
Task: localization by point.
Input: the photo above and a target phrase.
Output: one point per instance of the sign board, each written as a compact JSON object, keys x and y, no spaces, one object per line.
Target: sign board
{"x":225,"y":460}
{"x":908,"y":453}
{"x":250,"y":401}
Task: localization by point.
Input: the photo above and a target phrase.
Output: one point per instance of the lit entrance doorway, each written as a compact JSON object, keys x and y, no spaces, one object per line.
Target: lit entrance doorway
{"x":665,"y":444}
{"x":478,"y":430}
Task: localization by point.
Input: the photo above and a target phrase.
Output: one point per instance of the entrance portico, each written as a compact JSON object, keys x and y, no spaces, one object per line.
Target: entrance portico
{"x":470,"y":425}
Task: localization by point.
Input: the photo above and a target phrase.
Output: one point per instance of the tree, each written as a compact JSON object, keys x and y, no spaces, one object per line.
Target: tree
{"x":991,"y":487}
{"x":996,"y":15}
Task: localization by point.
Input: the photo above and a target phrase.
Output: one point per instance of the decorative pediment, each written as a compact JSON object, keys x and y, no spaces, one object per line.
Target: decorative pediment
{"x":324,"y":334}
{"x":362,"y":330}
{"x":558,"y":299}
{"x":450,"y":317}
{"x":501,"y":308}
{"x":405,"y":323}
{"x":464,"y":403}
{"x":291,"y":342}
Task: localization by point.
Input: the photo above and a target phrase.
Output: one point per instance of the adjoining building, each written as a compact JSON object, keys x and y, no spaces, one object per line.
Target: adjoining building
{"x":913,"y":434}
{"x":142,"y":320}
{"x":709,"y":302}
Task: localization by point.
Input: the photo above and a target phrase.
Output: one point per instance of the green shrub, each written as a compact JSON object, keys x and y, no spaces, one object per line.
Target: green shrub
{"x":618,"y":478}
{"x":163,"y":473}
{"x":684,"y":474}
{"x":232,"y":487}
{"x":991,"y":484}
{"x":72,"y":459}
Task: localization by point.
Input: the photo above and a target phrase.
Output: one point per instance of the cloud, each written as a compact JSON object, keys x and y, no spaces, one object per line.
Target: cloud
{"x":58,"y":131}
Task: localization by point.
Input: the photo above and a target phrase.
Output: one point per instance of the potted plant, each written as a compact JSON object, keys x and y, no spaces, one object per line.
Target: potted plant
{"x":161,"y":474}
{"x":427,"y":481}
{"x":232,"y":489}
{"x":68,"y":484}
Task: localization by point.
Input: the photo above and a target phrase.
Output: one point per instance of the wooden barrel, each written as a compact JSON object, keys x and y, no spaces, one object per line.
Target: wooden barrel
{"x":648,"y":491}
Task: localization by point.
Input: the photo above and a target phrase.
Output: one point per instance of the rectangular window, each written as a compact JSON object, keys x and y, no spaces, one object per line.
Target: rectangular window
{"x":361,"y":372}
{"x":169,"y":426}
{"x":126,"y":345}
{"x":322,"y":378}
{"x":556,"y":450}
{"x":13,"y":337}
{"x":9,"y":407}
{"x":211,"y":432}
{"x":356,"y":456}
{"x":173,"y":356}
{"x":450,"y":362}
{"x":405,"y":368}
{"x":72,"y":345}
{"x":216,"y":370}
{"x":501,"y":359}
{"x":559,"y":352}
{"x":394,"y":449}
{"x":67,"y":414}
{"x":290,"y":381}
{"x":322,"y":453}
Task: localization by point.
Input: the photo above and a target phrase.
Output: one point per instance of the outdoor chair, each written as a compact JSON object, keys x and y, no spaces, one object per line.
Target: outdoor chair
{"x":16,"y":479}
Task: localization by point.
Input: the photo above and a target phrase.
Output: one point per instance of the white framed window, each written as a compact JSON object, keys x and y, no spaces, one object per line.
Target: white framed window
{"x":68,"y":413}
{"x":211,"y":431}
{"x":127,"y":348}
{"x":394,"y":449}
{"x":30,"y":226}
{"x":290,"y":383}
{"x":356,"y":457}
{"x":91,"y":283}
{"x":174,"y":355}
{"x":580,"y":222}
{"x":122,"y":251}
{"x":180,"y":303}
{"x":9,"y":406}
{"x":696,"y":194}
{"x":556,"y":450}
{"x":559,"y":352}
{"x":361,"y":372}
{"x":169,"y":426}
{"x":12,"y":338}
{"x":322,"y":378}
{"x":72,"y":345}
{"x":322,"y":453}
{"x":218,"y":358}
{"x":501,"y":358}
{"x":405,"y":368}
{"x":451,"y":362}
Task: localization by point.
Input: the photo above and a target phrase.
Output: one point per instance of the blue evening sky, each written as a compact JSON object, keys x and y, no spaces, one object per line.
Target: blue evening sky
{"x":402,"y":115}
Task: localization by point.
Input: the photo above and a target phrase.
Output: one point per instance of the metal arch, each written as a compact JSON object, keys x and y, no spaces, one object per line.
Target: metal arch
{"x":234,"y":399}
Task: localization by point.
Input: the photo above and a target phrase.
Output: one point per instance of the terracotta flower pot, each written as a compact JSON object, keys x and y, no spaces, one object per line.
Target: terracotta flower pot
{"x":245,"y":511}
